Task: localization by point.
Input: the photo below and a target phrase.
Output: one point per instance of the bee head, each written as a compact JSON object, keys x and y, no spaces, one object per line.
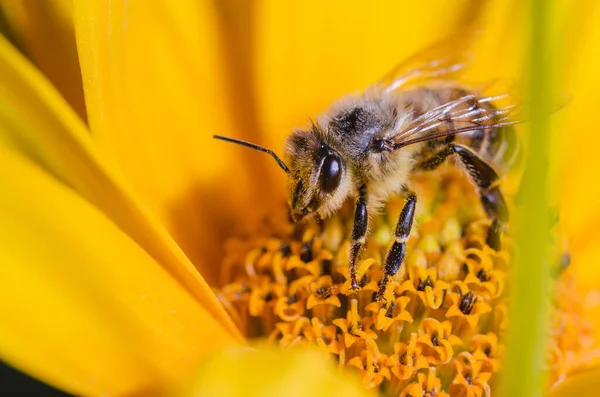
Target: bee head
{"x":317,"y":175}
{"x":318,"y":180}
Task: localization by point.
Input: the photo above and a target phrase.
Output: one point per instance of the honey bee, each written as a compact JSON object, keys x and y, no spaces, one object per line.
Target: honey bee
{"x":370,"y":145}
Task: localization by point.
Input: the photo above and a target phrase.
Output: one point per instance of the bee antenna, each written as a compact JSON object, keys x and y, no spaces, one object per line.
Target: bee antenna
{"x":255,"y":147}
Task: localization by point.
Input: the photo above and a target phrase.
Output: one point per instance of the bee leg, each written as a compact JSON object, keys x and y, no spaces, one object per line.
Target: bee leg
{"x":487,"y":181}
{"x":494,"y":234}
{"x":395,"y":256}
{"x":359,"y":233}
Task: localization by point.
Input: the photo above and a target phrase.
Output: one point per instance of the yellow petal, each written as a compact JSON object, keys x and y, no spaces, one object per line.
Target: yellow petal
{"x":83,"y":307}
{"x":310,"y":53}
{"x":160,"y":80}
{"x":157,"y":89}
{"x":581,"y":384}
{"x":35,"y":121}
{"x":44,"y":31}
{"x":270,"y":371}
{"x":575,"y":151}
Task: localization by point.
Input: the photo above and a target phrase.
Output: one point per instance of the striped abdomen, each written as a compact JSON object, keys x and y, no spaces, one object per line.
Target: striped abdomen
{"x":499,"y":146}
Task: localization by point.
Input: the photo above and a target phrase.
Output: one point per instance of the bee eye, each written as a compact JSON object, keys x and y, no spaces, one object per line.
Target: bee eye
{"x":331,"y":173}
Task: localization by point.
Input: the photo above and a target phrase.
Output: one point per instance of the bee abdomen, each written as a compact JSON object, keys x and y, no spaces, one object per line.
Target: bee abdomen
{"x":500,"y":146}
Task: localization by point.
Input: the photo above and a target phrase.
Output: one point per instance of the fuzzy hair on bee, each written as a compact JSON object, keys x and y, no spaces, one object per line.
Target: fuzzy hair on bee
{"x":337,"y":154}
{"x":369,"y":145}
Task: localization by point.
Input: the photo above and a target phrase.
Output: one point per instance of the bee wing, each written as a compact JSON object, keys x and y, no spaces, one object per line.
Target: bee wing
{"x":473,"y":111}
{"x":446,"y":59}
{"x":467,"y":113}
{"x":417,"y":71}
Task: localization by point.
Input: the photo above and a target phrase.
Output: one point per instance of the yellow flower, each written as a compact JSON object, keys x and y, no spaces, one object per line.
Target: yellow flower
{"x":114,"y":210}
{"x":456,"y":329}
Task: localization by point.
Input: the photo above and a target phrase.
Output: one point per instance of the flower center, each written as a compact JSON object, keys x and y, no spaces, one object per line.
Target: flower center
{"x":440,"y":326}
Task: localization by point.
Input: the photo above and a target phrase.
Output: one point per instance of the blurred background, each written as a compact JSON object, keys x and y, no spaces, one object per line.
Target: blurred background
{"x":257,"y":70}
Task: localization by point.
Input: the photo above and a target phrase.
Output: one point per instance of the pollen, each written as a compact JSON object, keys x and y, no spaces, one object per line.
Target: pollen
{"x":439,"y":329}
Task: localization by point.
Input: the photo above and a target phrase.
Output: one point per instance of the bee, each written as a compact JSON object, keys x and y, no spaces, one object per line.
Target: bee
{"x":370,"y":145}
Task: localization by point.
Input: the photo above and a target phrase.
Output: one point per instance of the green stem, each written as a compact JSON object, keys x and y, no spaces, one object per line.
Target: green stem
{"x":523,"y":373}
